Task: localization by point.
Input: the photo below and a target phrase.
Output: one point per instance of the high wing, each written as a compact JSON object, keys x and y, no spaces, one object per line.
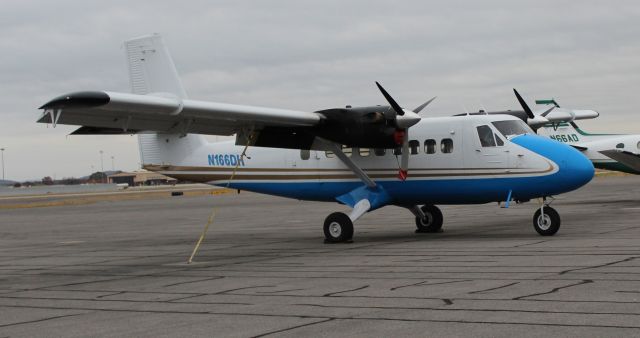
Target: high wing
{"x":549,"y":112}
{"x":109,"y":113}
{"x":556,"y":114}
{"x":166,"y":113}
{"x":159,"y":104}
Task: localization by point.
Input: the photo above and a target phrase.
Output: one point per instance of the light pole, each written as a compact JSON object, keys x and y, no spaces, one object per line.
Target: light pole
{"x":113,"y":167}
{"x":2,"y":151}
{"x":102,"y":165}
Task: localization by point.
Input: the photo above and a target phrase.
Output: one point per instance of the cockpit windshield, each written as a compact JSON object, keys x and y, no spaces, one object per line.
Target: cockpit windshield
{"x":512,"y":128}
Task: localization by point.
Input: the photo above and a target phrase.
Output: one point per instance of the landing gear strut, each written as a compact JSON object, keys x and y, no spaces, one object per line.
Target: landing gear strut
{"x":338,"y":227}
{"x":430,"y":220}
{"x":546,"y":220}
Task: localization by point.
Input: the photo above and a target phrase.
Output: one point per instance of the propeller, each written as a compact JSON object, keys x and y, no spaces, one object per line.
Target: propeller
{"x":533,"y":120}
{"x":422,"y":106}
{"x":404,"y":119}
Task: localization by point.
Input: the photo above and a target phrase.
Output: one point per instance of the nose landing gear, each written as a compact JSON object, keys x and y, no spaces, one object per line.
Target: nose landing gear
{"x":546,"y":220}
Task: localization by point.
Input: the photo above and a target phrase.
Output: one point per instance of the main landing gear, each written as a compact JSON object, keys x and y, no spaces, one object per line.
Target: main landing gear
{"x":429,"y":219}
{"x":338,"y":228}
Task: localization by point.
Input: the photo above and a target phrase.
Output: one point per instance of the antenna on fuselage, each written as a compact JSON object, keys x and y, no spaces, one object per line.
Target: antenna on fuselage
{"x":483,"y":109}
{"x":466,"y":111}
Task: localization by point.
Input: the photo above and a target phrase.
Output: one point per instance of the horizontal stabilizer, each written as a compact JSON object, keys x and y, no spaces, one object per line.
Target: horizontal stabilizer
{"x":629,"y":159}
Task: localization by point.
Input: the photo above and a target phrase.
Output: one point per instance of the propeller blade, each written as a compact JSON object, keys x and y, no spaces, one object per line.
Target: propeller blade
{"x":524,"y":105}
{"x":391,"y":101}
{"x":547,"y":111}
{"x":422,"y":106}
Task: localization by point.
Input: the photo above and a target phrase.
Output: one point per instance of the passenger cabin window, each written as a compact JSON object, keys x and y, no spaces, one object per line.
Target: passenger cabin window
{"x":379,"y":151}
{"x":620,"y":145}
{"x":305,"y":154}
{"x":347,"y":150}
{"x":486,"y":136}
{"x":446,"y":146}
{"x":329,"y":154}
{"x":414,"y":145}
{"x":363,"y":152}
{"x":430,"y":146}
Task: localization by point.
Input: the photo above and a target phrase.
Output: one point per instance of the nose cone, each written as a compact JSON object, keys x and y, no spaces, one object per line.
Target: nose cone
{"x":574,"y":169}
{"x":577,"y":169}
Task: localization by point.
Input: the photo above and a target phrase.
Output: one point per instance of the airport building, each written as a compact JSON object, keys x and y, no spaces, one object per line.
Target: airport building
{"x":138,"y":178}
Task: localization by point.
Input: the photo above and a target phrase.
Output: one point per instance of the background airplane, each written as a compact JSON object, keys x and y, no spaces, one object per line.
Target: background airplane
{"x":617,"y":152}
{"x":363,"y":157}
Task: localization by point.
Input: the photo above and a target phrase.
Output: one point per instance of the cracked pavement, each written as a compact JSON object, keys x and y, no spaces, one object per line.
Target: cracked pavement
{"x":118,"y":269}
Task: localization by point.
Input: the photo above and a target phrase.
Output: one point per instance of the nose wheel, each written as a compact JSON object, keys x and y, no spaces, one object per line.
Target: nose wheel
{"x":338,"y":228}
{"x":546,"y":221}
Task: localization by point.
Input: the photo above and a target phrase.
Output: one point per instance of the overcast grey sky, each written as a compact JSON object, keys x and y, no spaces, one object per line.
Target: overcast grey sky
{"x":313,"y":55}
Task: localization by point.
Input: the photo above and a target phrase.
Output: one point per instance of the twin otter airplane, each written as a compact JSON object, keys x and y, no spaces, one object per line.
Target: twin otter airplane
{"x":365,"y":157}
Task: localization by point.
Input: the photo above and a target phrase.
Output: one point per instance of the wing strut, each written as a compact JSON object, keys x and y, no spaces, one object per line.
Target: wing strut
{"x":362,"y":199}
{"x":349,"y":163}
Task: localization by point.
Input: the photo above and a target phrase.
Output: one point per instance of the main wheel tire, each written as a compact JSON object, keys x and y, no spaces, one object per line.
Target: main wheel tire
{"x":432,"y":222}
{"x":338,"y":228}
{"x":548,"y":224}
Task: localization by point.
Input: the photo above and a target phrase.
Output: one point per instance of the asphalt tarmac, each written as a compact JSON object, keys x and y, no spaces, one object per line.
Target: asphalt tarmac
{"x":117,"y":268}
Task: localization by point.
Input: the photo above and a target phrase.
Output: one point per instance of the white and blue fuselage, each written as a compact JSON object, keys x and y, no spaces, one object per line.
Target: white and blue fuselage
{"x":454,"y":160}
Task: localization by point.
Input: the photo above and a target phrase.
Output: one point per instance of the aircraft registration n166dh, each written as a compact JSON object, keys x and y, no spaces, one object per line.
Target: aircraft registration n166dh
{"x":365,"y":157}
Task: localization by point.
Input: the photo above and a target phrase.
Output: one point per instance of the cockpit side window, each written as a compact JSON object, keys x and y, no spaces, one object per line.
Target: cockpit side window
{"x":486,"y":136}
{"x":511,"y":128}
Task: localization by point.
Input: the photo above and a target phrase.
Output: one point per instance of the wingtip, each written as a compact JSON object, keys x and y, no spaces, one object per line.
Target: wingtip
{"x":78,"y":100}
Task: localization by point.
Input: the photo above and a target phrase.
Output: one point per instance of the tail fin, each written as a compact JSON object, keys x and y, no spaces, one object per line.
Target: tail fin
{"x":152,"y":71}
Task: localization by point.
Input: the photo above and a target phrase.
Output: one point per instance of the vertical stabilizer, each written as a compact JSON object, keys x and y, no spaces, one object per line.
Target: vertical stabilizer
{"x":152,"y":71}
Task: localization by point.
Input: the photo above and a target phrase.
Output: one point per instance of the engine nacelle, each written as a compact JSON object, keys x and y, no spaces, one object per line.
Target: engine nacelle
{"x":364,"y":127}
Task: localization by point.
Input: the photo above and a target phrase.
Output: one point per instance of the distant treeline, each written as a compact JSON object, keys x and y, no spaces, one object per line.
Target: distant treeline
{"x":97,"y":177}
